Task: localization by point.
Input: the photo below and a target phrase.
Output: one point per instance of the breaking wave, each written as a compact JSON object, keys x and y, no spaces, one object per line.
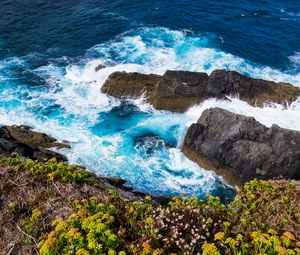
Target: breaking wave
{"x":129,"y":139}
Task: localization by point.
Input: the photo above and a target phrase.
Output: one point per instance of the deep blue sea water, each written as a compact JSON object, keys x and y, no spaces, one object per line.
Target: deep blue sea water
{"x":49,"y":51}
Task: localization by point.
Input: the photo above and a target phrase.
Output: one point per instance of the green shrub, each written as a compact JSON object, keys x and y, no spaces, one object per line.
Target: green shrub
{"x":264,"y":218}
{"x":185,"y":226}
{"x":100,"y":228}
{"x":55,"y":170}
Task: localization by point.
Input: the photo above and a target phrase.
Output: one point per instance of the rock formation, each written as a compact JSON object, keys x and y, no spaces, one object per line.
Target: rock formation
{"x":99,"y":67}
{"x":240,"y":148}
{"x":178,"y":90}
{"x":133,"y":85}
{"x":21,"y":140}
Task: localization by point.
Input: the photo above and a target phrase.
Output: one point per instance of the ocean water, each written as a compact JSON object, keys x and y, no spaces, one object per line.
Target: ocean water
{"x":49,"y":51}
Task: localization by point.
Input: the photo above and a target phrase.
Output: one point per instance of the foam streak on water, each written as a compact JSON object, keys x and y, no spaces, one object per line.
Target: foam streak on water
{"x":129,"y":140}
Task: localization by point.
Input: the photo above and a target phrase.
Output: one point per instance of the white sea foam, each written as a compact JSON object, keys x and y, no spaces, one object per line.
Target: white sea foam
{"x":295,"y":59}
{"x":268,"y":115}
{"x":160,"y":49}
{"x":71,"y":108}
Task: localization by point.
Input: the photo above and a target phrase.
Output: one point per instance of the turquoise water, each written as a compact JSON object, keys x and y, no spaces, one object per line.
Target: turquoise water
{"x":48,"y":81}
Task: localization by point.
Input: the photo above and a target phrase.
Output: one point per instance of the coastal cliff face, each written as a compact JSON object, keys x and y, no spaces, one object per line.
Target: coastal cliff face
{"x":240,"y":148}
{"x":178,"y":90}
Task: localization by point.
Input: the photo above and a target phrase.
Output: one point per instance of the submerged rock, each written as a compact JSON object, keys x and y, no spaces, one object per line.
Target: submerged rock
{"x":99,"y":67}
{"x":178,"y":90}
{"x":240,"y":148}
{"x":21,"y":140}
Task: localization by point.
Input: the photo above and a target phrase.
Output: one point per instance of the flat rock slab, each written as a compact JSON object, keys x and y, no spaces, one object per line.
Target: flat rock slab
{"x":241,"y":149}
{"x":21,"y":140}
{"x":176,"y":91}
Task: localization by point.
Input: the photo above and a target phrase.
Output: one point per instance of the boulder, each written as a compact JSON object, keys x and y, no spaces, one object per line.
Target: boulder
{"x":21,"y":140}
{"x":240,"y":148}
{"x":176,"y":91}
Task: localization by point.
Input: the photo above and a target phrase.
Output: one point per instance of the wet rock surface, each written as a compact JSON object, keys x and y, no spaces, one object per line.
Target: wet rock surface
{"x":241,"y":149}
{"x":178,"y":90}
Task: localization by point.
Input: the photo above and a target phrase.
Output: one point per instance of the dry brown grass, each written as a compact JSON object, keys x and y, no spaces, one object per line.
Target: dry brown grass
{"x":28,"y":192}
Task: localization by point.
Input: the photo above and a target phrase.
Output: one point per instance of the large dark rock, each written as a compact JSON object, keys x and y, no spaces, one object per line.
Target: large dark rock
{"x":178,"y":90}
{"x":240,"y":148}
{"x":254,"y":91}
{"x":133,"y":85}
{"x":21,"y":140}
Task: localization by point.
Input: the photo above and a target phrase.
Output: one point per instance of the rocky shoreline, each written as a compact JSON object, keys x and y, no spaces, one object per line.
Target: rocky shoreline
{"x":22,"y":141}
{"x":177,"y":91}
{"x":47,"y":206}
{"x":237,"y":147}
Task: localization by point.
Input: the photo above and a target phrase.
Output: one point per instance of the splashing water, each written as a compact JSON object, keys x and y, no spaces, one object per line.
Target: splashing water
{"x":129,"y":139}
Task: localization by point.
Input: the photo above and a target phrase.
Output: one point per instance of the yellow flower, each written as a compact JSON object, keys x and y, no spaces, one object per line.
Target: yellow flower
{"x":36,"y":213}
{"x":61,"y":225}
{"x":149,"y":220}
{"x":92,"y":244}
{"x":210,"y":249}
{"x":219,"y":236}
{"x":112,"y":252}
{"x":72,"y":232}
{"x":226,"y":224}
{"x":82,"y":212}
{"x":272,"y":232}
{"x":146,"y":247}
{"x":239,"y":237}
{"x":230,"y":241}
{"x":82,"y":252}
{"x":105,"y":216}
{"x":47,"y":245}
{"x":289,"y":235}
{"x":280,"y":249}
{"x":243,"y":221}
{"x":158,"y":252}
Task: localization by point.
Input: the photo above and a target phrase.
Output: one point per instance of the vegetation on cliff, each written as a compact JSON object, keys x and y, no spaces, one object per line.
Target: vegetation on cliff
{"x":53,"y":208}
